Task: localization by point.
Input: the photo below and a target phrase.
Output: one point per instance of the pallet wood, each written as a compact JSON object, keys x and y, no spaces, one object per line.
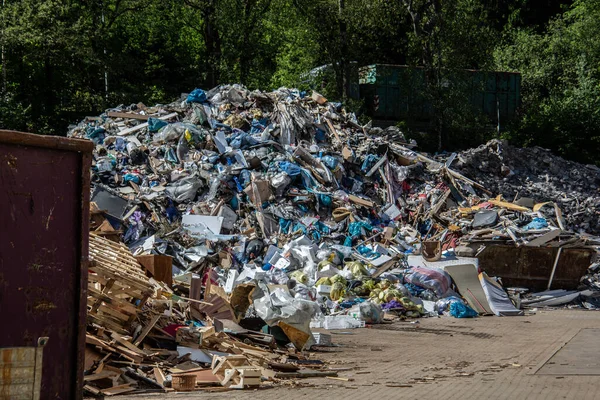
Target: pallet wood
{"x":117,"y":285}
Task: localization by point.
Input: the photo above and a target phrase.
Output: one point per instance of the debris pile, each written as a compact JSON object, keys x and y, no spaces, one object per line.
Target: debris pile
{"x":231,"y":223}
{"x":536,"y":173}
{"x":143,"y":337}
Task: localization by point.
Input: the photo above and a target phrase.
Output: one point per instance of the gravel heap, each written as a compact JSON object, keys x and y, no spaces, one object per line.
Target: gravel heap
{"x":536,"y":173}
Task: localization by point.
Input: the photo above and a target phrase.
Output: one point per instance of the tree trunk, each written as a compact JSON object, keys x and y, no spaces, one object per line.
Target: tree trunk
{"x":213,"y":42}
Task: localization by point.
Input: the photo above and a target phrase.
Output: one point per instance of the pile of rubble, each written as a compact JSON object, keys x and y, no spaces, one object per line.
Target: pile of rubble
{"x":536,"y":173}
{"x":228,"y":224}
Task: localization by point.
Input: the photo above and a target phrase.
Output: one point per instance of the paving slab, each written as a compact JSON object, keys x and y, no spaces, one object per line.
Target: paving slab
{"x":481,"y":358}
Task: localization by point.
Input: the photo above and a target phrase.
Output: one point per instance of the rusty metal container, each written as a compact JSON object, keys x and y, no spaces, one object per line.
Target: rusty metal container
{"x":531,"y":267}
{"x":44,"y":217}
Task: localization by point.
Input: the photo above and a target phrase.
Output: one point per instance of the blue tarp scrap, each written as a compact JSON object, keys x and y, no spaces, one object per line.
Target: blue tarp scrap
{"x":369,"y":162}
{"x":536,"y":223}
{"x":196,"y":96}
{"x":154,"y":124}
{"x":355,"y":229}
{"x":460,"y":310}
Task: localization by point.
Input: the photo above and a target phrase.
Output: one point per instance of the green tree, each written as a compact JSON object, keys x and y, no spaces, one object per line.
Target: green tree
{"x":561,"y":82}
{"x":446,"y":38}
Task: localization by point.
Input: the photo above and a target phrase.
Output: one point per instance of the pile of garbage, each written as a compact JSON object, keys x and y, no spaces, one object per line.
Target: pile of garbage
{"x":285,"y":212}
{"x":535,"y":172}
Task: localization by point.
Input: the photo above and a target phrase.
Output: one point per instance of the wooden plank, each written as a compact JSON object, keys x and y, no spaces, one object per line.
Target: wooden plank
{"x":545,"y":238}
{"x":112,"y":325}
{"x":147,"y":329}
{"x":109,"y":300}
{"x":124,"y":351}
{"x":508,"y":206}
{"x":333,"y":130}
{"x":124,"y":342}
{"x":384,"y":268}
{"x":159,"y":375}
{"x":136,"y":128}
{"x":91,"y":389}
{"x":100,"y":375}
{"x":122,"y":279}
{"x":117,"y":114}
{"x":360,"y":201}
{"x":305,"y":374}
{"x":118,"y":389}
{"x":113,"y":313}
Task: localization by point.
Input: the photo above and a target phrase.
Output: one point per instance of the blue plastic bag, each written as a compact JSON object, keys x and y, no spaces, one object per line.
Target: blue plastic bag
{"x":197,"y":96}
{"x":154,"y":124}
{"x":241,"y":140}
{"x":369,"y":162}
{"x":330,"y":162}
{"x":97,"y":135}
{"x":289,"y":168}
{"x":536,"y":223}
{"x":460,"y":310}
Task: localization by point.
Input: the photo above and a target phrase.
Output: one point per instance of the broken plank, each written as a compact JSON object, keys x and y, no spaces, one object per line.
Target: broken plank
{"x":91,"y":389}
{"x":147,"y":329}
{"x":335,"y":378}
{"x":118,"y":389}
{"x":127,"y":344}
{"x":100,"y":375}
{"x":545,"y":238}
{"x":159,"y":375}
{"x":133,"y":374}
{"x":117,"y":114}
{"x":360,"y":201}
{"x":136,"y":128}
{"x":305,"y":374}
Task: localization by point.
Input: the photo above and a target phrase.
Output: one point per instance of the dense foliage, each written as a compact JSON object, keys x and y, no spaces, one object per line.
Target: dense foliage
{"x":64,"y":59}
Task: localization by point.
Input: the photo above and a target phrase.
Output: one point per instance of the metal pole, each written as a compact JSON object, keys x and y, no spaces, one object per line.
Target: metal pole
{"x":3,"y":51}
{"x":104,"y":63}
{"x":554,"y":268}
{"x":498,"y":113}
{"x":344,"y":50}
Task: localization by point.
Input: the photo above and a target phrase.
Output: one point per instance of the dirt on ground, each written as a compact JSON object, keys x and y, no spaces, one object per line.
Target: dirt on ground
{"x":446,"y":358}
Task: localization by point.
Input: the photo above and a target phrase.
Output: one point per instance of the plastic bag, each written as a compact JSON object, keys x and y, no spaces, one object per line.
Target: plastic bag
{"x":154,"y":124}
{"x":461,"y":310}
{"x":338,"y":290}
{"x":278,"y":306}
{"x":280,"y":182}
{"x":196,"y":96}
{"x":299,"y":276}
{"x":369,"y":312}
{"x":330,"y":162}
{"x":184,"y":189}
{"x":434,"y":279}
{"x":357,"y":269}
{"x":536,"y":223}
{"x":443,"y":305}
{"x":289,"y":168}
{"x":170,"y":132}
{"x":323,"y":281}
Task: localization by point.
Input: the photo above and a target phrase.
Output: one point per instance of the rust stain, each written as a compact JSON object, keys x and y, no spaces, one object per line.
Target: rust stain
{"x":6,"y":374}
{"x":49,"y":218}
{"x":44,"y":305}
{"x":11,"y":161}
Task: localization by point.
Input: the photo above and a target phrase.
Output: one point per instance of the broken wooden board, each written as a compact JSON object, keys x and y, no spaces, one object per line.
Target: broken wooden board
{"x":120,"y":389}
{"x":117,"y":114}
{"x":136,"y":128}
{"x":545,"y":238}
{"x":360,"y":201}
{"x":508,"y":206}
